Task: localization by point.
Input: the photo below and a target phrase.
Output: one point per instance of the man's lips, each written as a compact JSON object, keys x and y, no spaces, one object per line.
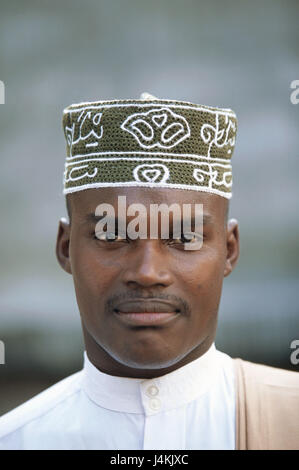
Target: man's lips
{"x":147,"y":306}
{"x":137,"y":312}
{"x":146,"y":319}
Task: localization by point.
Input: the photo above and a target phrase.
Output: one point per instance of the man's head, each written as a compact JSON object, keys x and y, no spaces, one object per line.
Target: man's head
{"x":148,"y":304}
{"x":150,"y":275}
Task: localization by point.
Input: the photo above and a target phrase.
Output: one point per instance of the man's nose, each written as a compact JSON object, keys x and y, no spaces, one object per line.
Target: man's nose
{"x":148,"y":266}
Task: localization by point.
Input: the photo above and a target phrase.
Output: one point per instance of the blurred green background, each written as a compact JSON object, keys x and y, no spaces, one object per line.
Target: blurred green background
{"x":236,"y":54}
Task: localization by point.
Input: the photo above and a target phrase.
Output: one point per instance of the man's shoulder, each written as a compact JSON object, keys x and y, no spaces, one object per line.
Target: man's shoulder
{"x":262,"y":374}
{"x":40,"y":404}
{"x":267,"y":407}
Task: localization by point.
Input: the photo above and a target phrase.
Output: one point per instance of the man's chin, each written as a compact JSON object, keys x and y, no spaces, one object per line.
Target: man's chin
{"x":147,"y":360}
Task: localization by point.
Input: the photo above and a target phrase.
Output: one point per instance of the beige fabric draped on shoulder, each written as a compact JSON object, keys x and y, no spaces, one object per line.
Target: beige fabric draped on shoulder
{"x":267,"y":407}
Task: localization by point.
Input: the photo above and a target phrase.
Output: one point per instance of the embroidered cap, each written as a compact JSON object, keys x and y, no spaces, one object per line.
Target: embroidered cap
{"x":149,"y":142}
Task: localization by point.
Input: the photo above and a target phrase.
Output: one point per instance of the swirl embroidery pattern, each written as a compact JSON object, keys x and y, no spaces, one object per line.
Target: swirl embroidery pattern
{"x":151,"y":173}
{"x":86,"y":128}
{"x":215,"y":173}
{"x":157,"y":128}
{"x":214,"y":135}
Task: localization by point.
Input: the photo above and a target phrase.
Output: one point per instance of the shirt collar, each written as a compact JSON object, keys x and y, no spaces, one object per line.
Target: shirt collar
{"x":151,"y":396}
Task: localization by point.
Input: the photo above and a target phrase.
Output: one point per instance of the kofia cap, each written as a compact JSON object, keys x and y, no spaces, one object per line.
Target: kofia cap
{"x":149,"y":142}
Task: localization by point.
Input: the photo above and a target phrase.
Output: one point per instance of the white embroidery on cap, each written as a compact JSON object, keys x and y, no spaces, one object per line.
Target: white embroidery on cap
{"x":155,"y":172}
{"x":157,"y":128}
{"x":219,"y":137}
{"x":76,"y":178}
{"x":213,"y":173}
{"x":85,"y":128}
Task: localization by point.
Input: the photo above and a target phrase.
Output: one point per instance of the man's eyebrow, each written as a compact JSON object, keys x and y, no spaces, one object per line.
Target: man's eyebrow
{"x":92,"y":218}
{"x":206,"y":218}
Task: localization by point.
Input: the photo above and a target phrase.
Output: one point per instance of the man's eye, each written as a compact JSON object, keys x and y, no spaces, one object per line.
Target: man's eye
{"x":188,"y":238}
{"x":110,"y":236}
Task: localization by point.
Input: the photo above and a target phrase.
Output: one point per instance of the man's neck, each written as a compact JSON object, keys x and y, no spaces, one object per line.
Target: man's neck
{"x":107,"y":364}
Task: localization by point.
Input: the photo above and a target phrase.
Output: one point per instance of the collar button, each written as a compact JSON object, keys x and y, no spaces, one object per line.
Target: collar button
{"x":152,"y":391}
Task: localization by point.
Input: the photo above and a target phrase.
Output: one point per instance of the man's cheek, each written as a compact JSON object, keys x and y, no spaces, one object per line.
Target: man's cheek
{"x":216,"y":263}
{"x":209,"y":273}
{"x":90,"y":255}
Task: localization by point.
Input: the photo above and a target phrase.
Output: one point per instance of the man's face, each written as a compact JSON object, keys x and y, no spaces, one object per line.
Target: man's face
{"x":149,"y":275}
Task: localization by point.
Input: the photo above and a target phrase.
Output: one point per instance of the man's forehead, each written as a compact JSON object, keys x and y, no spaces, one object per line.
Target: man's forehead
{"x":88,"y":200}
{"x":85,"y":203}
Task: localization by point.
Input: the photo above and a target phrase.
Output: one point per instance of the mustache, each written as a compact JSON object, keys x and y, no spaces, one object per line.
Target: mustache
{"x":114,"y":300}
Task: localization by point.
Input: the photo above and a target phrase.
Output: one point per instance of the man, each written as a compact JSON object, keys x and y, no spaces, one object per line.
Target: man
{"x":152,"y":376}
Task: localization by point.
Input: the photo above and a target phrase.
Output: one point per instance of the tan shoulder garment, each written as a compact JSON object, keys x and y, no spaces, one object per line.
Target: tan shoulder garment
{"x":267,"y":407}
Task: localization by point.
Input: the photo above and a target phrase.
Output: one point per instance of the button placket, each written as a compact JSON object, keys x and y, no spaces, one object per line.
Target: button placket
{"x":152,"y":400}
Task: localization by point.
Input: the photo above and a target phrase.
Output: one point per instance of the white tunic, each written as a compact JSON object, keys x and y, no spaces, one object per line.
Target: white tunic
{"x":192,"y":407}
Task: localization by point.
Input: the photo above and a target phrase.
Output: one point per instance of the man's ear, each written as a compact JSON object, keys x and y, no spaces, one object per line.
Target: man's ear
{"x":62,"y":245}
{"x":232,"y":246}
